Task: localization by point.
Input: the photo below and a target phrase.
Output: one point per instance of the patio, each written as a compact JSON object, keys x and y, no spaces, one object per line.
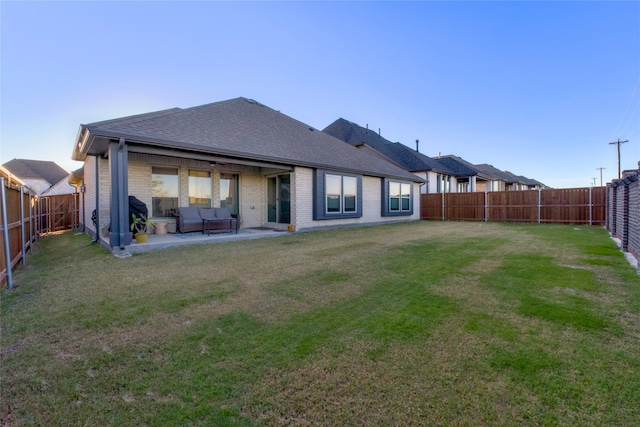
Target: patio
{"x":163,"y":241}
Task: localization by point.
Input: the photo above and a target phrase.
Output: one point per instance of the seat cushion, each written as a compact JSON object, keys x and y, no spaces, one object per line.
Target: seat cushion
{"x":223,"y":213}
{"x":207,"y":213}
{"x":189,"y":213}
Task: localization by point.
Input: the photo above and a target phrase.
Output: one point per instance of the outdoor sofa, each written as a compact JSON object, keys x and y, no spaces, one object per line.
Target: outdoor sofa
{"x":211,"y":220}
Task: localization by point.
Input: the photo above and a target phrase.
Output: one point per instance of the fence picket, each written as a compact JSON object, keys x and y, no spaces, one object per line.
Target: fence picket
{"x":565,"y":206}
{"x":45,"y":214}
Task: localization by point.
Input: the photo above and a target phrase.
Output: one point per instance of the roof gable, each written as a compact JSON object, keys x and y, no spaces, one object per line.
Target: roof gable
{"x":36,"y":169}
{"x":244,"y":129}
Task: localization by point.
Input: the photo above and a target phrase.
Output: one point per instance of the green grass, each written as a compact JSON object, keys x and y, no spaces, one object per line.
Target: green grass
{"x":420,"y":323}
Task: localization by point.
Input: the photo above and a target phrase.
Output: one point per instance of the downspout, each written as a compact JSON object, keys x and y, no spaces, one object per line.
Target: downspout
{"x":420,"y":195}
{"x":83,"y":189}
{"x":97,"y":230}
{"x":427,"y":183}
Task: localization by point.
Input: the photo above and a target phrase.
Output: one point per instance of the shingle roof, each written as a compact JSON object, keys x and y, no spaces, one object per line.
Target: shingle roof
{"x":459,"y":166}
{"x":36,"y":169}
{"x":246,"y":129}
{"x":411,"y":160}
{"x":353,"y":133}
{"x":494,"y":173}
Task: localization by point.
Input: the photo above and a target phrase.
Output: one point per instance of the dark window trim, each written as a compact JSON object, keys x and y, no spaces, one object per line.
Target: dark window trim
{"x":386,"y":211}
{"x":320,"y":200}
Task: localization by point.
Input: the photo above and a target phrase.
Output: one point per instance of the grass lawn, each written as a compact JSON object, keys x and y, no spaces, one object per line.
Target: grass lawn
{"x":423,"y":323}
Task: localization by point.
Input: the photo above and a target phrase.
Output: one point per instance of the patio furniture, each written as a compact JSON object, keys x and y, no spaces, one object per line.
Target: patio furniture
{"x":207,"y":219}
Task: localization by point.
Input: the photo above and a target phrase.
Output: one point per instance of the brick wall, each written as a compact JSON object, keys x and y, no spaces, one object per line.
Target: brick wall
{"x":252,"y":192}
{"x":621,"y":217}
{"x":371,"y":203}
{"x":623,"y":211}
{"x":252,"y":200}
{"x":634,"y":218}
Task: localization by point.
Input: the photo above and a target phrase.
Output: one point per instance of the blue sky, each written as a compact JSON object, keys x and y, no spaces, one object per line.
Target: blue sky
{"x":536,"y":88}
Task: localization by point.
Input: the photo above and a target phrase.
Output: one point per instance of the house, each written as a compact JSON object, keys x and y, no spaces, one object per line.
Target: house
{"x":10,"y":179}
{"x":43,"y":177}
{"x":438,"y":177}
{"x":485,"y":177}
{"x":272,"y":170}
{"x":468,"y":178}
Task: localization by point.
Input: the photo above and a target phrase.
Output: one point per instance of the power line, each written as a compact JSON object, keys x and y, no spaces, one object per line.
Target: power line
{"x":618,"y":143}
{"x":633,"y":94}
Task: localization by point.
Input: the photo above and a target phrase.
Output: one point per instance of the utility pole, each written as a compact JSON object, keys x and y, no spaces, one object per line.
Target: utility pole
{"x":594,"y":182}
{"x":618,"y":142}
{"x":600,"y":169}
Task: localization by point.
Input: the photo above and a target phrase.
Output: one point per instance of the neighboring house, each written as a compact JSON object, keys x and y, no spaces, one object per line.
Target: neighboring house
{"x":271,"y":169}
{"x":468,"y":178}
{"x":532,"y":184}
{"x":43,"y":177}
{"x":438,"y":177}
{"x":485,"y":177}
{"x":10,"y":179}
{"x":516,"y":183}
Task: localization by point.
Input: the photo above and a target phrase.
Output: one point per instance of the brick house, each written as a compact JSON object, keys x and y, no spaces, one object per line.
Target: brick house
{"x":269,"y":168}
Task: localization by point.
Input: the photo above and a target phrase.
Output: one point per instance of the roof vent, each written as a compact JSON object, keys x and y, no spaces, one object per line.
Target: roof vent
{"x":252,"y":101}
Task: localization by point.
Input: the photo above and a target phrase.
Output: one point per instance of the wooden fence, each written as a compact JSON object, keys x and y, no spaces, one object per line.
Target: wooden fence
{"x":24,"y":217}
{"x":564,"y":206}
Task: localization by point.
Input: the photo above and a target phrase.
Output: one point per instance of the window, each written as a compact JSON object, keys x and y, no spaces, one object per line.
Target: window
{"x":337,"y":195}
{"x":200,"y":188}
{"x":229,"y":192}
{"x":164,"y":191}
{"x":341,"y":192}
{"x":397,"y":198}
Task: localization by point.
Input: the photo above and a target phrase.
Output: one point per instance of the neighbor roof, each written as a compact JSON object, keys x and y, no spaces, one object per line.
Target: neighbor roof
{"x":459,"y":166}
{"x":408,"y":158}
{"x":494,"y":172}
{"x":239,"y":128}
{"x":36,"y":169}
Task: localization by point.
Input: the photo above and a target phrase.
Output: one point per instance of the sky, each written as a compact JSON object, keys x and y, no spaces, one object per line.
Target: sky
{"x":536,"y":88}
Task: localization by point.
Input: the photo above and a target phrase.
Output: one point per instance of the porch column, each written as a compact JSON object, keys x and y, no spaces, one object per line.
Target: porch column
{"x":119,"y":173}
{"x":472,"y":184}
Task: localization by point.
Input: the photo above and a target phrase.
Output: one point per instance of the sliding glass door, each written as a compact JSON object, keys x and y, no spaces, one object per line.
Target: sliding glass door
{"x":279,"y":199}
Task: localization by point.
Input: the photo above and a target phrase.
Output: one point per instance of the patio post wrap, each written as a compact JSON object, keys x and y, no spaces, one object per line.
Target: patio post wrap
{"x":97,"y":210}
{"x":119,"y":171}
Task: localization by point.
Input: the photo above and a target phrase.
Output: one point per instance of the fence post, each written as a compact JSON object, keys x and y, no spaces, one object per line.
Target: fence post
{"x":539,"y":201}
{"x":443,"y":205}
{"x":486,"y":210}
{"x":23,"y":244}
{"x":590,"y":207}
{"x":5,"y":232}
{"x":31,"y":235}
